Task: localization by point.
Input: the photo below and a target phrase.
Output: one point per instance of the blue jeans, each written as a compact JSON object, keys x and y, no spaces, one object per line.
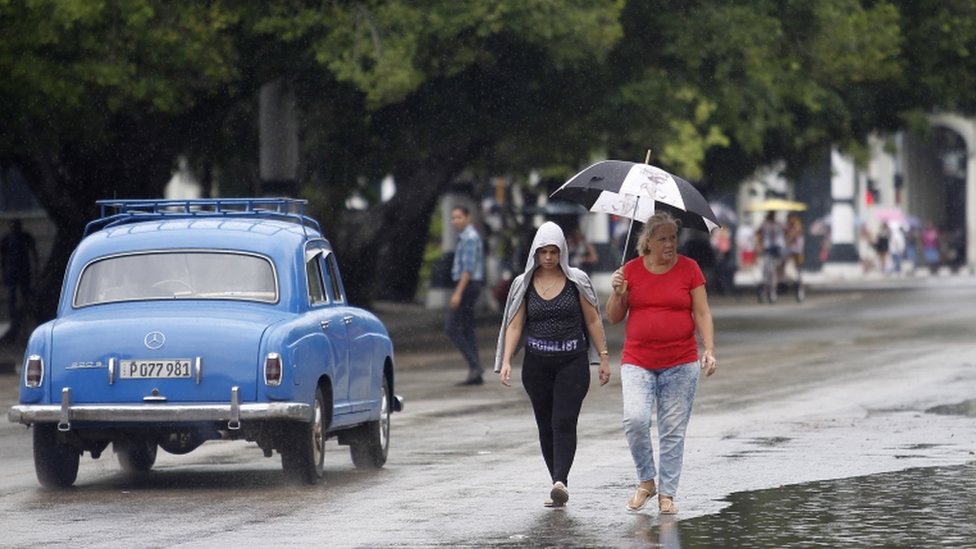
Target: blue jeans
{"x":671,"y":393}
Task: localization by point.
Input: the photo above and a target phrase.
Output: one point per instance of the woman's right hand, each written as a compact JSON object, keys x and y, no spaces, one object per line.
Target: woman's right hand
{"x":506,"y":374}
{"x":618,"y":282}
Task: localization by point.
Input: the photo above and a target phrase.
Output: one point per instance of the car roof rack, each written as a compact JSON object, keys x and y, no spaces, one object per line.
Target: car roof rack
{"x":124,"y":211}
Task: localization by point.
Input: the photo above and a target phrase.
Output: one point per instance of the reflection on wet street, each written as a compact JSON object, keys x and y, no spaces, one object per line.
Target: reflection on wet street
{"x":856,"y":428}
{"x":925,"y":507}
{"x":913,"y":508}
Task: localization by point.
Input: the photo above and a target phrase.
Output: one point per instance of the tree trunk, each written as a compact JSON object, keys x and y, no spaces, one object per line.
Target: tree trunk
{"x":409,"y":219}
{"x":383,"y":250}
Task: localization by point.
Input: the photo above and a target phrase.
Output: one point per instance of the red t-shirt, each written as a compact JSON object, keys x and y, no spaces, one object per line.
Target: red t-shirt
{"x":660,"y":330}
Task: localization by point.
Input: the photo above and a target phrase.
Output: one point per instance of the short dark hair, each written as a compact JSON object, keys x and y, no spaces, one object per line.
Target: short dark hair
{"x":462,"y":208}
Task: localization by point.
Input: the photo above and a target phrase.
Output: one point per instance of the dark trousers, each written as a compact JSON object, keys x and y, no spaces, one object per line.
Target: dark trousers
{"x":556,"y":388}
{"x":460,"y":328}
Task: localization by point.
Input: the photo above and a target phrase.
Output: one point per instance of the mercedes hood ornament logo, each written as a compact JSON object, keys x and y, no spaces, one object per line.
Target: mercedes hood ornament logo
{"x":154,"y":340}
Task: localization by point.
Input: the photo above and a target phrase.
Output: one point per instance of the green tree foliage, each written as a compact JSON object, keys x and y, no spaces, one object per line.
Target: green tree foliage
{"x":425,"y":93}
{"x":726,"y":86}
{"x":99,"y":97}
{"x":939,"y":57}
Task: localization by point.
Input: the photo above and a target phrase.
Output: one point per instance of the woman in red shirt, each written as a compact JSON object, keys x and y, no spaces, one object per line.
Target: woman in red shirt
{"x":662,"y":295}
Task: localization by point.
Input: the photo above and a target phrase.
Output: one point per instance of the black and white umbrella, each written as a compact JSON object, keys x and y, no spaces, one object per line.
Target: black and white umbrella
{"x":636,"y":190}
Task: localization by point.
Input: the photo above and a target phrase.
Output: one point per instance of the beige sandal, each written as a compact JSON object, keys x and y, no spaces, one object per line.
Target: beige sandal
{"x":667,"y":506}
{"x":640,"y":499}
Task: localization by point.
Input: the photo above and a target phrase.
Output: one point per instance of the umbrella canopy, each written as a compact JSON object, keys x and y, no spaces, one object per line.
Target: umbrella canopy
{"x":882,"y":213}
{"x":777,"y":205}
{"x":895,"y":217}
{"x":635,"y":190}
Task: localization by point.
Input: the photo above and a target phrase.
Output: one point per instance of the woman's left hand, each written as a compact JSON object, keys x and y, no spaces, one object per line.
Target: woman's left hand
{"x":505,"y":375}
{"x":708,"y":362}
{"x":604,"y":370}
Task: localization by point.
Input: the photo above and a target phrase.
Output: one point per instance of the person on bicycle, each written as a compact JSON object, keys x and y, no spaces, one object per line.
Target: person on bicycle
{"x":795,"y":240}
{"x":772,"y":240}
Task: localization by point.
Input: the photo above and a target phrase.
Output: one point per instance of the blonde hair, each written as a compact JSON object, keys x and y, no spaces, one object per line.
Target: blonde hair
{"x":657,"y":220}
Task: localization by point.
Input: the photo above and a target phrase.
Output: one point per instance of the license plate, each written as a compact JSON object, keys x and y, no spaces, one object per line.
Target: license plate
{"x":167,"y":368}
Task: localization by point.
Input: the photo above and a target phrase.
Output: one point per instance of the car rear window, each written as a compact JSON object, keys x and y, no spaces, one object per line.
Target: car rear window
{"x":177,"y":275}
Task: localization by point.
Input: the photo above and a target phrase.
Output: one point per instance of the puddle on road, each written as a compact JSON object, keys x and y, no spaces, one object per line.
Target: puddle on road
{"x":925,"y":507}
{"x":912,"y":508}
{"x":965,"y":408}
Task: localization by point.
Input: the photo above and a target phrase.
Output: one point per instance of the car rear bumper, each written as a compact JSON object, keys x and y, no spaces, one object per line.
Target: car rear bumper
{"x":233,"y":412}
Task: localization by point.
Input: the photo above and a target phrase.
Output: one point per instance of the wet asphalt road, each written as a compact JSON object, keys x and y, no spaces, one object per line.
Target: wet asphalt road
{"x":818,"y":430}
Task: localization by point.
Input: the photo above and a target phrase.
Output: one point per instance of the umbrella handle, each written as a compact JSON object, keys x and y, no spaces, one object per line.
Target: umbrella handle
{"x":623,"y":256}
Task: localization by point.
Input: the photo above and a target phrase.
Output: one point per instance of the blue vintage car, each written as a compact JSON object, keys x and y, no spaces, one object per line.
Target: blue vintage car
{"x":183,"y":321}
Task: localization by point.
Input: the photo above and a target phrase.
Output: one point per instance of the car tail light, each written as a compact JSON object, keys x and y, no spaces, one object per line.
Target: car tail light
{"x":272,"y":370}
{"x":34,"y":372}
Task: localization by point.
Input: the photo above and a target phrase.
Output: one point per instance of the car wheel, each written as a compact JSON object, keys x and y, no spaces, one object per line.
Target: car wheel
{"x":135,"y":455}
{"x":303,"y":447}
{"x":55,"y":463}
{"x":371,"y":445}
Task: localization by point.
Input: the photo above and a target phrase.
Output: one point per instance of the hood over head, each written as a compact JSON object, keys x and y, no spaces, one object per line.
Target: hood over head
{"x":549,"y":234}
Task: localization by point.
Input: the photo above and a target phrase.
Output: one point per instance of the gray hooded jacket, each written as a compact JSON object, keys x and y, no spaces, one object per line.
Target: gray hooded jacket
{"x":549,"y":234}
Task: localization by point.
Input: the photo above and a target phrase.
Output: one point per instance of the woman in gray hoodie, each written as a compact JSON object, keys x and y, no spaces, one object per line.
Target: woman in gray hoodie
{"x":552,"y":311}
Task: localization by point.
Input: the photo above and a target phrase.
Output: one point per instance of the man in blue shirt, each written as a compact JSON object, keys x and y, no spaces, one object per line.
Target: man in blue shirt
{"x":468,"y":274}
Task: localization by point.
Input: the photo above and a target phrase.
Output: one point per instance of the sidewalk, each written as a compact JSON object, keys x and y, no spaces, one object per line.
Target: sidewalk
{"x":419,"y":339}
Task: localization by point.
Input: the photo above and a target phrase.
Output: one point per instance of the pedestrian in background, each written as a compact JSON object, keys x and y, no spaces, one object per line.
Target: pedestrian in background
{"x":662,"y":296}
{"x":896,"y":247}
{"x":795,"y":239}
{"x":552,"y":310}
{"x":468,"y":274}
{"x":582,"y":254}
{"x":724,"y":263}
{"x":930,"y":247}
{"x":745,"y":242}
{"x":18,"y":255}
{"x":882,"y":245}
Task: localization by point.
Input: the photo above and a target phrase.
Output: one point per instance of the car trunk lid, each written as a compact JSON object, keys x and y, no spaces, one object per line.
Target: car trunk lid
{"x":196,"y":354}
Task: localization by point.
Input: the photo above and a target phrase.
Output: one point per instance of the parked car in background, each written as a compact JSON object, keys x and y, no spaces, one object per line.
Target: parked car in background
{"x":184,"y":321}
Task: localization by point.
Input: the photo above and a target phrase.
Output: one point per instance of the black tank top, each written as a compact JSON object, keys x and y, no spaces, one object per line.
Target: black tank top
{"x":555,"y":327}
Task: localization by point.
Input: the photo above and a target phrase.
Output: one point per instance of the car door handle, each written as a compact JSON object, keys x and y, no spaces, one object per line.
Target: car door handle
{"x":347,"y":320}
{"x":325,"y":324}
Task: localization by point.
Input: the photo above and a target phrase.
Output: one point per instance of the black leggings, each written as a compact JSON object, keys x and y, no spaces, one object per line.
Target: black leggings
{"x":556,"y":388}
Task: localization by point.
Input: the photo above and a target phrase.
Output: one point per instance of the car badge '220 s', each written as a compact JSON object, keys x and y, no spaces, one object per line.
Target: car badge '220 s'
{"x":154,"y":340}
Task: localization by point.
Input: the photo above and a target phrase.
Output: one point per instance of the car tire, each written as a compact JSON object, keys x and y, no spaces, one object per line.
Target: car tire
{"x":135,"y":455}
{"x":303,"y":447}
{"x":55,"y":463}
{"x":370,"y":445}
